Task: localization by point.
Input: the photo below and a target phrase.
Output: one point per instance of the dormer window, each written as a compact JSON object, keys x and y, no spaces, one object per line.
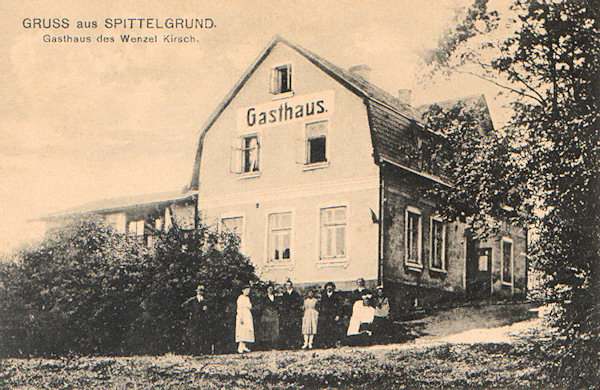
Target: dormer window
{"x":281,"y":79}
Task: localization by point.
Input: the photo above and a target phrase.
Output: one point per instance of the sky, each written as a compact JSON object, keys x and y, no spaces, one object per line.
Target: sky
{"x":86,"y":121}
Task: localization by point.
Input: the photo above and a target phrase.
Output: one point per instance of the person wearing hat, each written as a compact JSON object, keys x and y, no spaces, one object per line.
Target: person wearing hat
{"x":290,"y":317}
{"x":381,"y":320}
{"x":199,"y":332}
{"x":329,"y":316}
{"x":244,"y":323}
{"x":362,"y":318}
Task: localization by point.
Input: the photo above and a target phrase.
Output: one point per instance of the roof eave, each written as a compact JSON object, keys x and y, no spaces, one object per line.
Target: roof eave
{"x":107,"y":210}
{"x":424,"y":175}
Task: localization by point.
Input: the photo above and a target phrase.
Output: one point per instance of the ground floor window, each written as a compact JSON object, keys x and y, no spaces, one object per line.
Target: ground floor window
{"x":507,"y":260}
{"x":280,"y":232}
{"x":438,"y":244}
{"x":413,"y":235}
{"x":333,"y":232}
{"x":233,"y":225}
{"x":136,"y":228}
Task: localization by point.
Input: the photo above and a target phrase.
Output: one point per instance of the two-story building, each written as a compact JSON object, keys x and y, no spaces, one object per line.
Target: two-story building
{"x":312,"y":166}
{"x":320,"y":174}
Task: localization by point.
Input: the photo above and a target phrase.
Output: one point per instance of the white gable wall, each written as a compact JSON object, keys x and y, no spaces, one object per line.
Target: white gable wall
{"x":350,"y":179}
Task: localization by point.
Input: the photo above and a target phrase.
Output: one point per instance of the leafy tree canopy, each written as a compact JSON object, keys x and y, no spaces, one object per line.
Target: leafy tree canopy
{"x":542,"y":168}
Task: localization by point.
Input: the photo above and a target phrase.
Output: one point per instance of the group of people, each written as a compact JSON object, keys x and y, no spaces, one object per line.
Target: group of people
{"x":284,"y":319}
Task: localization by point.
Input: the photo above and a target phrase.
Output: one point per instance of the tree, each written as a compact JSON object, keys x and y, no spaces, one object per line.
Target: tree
{"x":543,"y":167}
{"x":183,"y":259}
{"x":72,"y":293}
{"x":86,"y":289}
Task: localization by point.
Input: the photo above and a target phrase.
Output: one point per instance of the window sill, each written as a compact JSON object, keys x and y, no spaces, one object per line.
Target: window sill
{"x":413,"y":266}
{"x":283,"y":95}
{"x":333,"y":262}
{"x":319,"y":165}
{"x":248,"y":175}
{"x":438,"y":270}
{"x":286,"y":265}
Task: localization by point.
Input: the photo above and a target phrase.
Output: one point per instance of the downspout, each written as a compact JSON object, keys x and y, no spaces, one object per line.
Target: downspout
{"x":381,"y":241}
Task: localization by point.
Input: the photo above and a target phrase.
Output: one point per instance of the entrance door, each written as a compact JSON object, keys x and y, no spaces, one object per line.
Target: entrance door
{"x":479,"y":266}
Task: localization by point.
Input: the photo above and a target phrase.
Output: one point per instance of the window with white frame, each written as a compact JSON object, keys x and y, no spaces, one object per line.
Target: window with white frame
{"x":333,"y":233}
{"x":136,"y":228}
{"x":280,"y":234}
{"x":438,"y":245}
{"x":316,"y":142}
{"x":233,"y":225}
{"x":413,"y":236}
{"x":245,"y":154}
{"x":507,"y":260}
{"x":281,"y":79}
{"x":250,"y":153}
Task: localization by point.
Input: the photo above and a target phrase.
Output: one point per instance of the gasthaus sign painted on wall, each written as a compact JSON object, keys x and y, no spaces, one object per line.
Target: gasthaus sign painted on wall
{"x":281,"y":111}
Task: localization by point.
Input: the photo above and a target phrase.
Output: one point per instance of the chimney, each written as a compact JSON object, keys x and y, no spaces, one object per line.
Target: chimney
{"x":404,"y":95}
{"x":362,"y":70}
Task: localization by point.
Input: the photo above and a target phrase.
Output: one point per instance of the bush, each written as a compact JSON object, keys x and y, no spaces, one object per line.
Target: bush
{"x":87,"y":290}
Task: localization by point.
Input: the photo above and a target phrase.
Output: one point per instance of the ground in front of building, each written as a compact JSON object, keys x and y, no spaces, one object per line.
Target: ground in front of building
{"x":499,"y":356}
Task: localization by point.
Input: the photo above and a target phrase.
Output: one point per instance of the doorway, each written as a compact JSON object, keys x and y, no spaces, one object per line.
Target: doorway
{"x":479,"y":270}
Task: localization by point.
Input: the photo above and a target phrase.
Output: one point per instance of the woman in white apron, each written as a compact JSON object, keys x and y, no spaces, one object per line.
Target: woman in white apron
{"x":244,"y":324}
{"x":362,"y":317}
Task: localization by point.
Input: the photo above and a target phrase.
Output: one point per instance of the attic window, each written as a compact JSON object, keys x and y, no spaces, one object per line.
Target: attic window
{"x":281,"y":79}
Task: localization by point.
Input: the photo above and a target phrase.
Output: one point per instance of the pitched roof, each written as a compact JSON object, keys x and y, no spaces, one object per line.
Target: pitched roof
{"x":477,"y":101}
{"x":123,"y":203}
{"x":390,"y":119}
{"x":354,"y":83}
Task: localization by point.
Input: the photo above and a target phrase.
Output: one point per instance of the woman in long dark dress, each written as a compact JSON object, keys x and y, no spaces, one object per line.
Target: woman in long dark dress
{"x":269,"y":319}
{"x":330,"y":314}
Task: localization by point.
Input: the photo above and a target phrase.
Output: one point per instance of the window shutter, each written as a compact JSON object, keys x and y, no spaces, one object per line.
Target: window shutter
{"x":235,"y":162}
{"x":274,"y":73}
{"x":300,"y":151}
{"x":289,"y":78}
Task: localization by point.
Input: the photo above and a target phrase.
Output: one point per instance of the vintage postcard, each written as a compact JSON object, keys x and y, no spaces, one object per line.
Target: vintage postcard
{"x":185,"y":182}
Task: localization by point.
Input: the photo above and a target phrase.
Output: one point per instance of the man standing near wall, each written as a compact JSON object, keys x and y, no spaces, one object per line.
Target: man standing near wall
{"x":290,"y":316}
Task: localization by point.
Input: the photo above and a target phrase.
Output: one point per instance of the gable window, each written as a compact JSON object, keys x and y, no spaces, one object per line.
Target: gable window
{"x":280,"y":232}
{"x":507,"y":261}
{"x":281,"y":79}
{"x":413,"y":237}
{"x":233,"y":225}
{"x":438,"y":245}
{"x":245,"y":154}
{"x":316,"y":142}
{"x":333,"y":232}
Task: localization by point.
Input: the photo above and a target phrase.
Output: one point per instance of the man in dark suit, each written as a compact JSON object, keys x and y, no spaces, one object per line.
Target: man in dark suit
{"x":330,"y":313}
{"x":199,"y":330}
{"x":290,"y":317}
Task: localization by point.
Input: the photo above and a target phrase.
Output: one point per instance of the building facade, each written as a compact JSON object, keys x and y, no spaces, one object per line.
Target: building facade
{"x":324,"y":178}
{"x":314,"y":168}
{"x":141,"y":216}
